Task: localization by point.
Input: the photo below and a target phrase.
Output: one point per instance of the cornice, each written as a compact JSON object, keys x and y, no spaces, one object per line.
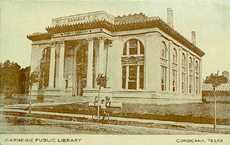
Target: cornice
{"x":125,"y":26}
{"x":39,"y":36}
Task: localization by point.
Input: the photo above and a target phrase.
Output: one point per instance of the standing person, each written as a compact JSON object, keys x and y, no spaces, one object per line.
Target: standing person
{"x":108,"y":104}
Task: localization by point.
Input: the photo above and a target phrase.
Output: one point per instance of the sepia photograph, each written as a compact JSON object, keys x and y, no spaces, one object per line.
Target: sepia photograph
{"x":114,"y":67}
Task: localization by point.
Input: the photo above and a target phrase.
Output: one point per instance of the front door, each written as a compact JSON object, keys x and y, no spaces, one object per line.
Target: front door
{"x":81,"y":69}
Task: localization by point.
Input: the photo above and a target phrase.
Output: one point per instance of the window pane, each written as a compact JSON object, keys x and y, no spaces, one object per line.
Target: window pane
{"x":133,"y":43}
{"x":133,"y":50}
{"x":141,"y":48}
{"x":133,"y":72}
{"x":163,"y":78}
{"x":141,"y":76}
{"x":123,"y":76}
{"x":132,"y":85}
{"x":125,"y":49}
{"x":174,"y":80}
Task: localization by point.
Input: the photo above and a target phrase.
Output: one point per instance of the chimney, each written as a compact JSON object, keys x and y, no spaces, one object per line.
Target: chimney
{"x":170,"y":17}
{"x":194,"y":37}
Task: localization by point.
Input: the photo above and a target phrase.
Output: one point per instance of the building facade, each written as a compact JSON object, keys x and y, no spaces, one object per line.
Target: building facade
{"x":142,"y":58}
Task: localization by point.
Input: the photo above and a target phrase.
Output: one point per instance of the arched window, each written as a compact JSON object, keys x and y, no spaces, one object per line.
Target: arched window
{"x":174,"y":56}
{"x":183,"y":85}
{"x":190,"y":75}
{"x":164,"y":51}
{"x":133,"y":65}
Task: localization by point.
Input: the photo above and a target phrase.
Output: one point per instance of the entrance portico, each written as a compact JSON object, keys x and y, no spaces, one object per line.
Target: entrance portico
{"x":74,"y":64}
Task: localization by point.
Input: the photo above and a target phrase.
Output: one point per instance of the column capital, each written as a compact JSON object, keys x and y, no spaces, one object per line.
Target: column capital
{"x":55,"y":43}
{"x":102,"y":38}
{"x":60,"y":42}
{"x":90,"y":39}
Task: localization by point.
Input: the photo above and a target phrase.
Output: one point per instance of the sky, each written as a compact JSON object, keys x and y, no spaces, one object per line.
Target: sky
{"x":209,"y":18}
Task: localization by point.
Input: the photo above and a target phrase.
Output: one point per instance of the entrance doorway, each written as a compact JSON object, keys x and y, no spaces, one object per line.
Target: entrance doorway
{"x":81,"y":68}
{"x":76,"y":65}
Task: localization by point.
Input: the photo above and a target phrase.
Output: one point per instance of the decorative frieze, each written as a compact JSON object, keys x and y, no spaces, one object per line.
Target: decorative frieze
{"x":138,"y":60}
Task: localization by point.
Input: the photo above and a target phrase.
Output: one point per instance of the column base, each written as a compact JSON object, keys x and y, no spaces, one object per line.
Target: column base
{"x":94,"y":92}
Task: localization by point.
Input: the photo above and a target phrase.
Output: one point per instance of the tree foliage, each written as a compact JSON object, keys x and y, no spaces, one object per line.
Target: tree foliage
{"x":216,"y":79}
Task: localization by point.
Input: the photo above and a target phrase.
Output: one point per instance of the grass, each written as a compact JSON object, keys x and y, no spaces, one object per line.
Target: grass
{"x":84,"y":109}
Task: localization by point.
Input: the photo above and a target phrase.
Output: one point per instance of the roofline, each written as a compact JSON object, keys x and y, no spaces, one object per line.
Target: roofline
{"x":156,"y":22}
{"x":39,"y":36}
{"x":80,"y":14}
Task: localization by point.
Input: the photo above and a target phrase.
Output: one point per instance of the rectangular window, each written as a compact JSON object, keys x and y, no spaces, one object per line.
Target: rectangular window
{"x":163,"y":78}
{"x":183,"y":82}
{"x":197,"y":85}
{"x":132,"y":77}
{"x":132,"y":73}
{"x":174,"y":80}
{"x":190,"y":83}
{"x":141,"y":76}
{"x":123,"y":77}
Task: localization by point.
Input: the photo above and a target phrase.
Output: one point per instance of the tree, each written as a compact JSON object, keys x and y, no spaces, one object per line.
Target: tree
{"x":216,"y":79}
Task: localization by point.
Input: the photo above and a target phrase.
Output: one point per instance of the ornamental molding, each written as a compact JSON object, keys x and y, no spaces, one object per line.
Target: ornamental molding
{"x":102,"y":20}
{"x":127,"y":60}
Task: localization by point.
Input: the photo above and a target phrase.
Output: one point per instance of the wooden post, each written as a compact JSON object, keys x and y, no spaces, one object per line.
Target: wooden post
{"x":98,"y":103}
{"x":214,"y":108}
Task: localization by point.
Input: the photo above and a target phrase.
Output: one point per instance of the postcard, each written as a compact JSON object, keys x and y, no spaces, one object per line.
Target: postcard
{"x":114,"y":72}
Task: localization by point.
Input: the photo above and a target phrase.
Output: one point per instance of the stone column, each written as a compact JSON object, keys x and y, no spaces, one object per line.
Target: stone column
{"x":74,"y":72}
{"x":138,"y":77}
{"x":90,"y":64}
{"x":101,"y":55}
{"x":127,"y":77}
{"x":105,"y":58}
{"x":52,"y":67}
{"x":61,"y":82}
{"x":138,"y":66}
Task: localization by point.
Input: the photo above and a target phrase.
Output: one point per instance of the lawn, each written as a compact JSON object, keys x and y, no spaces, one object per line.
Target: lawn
{"x":196,"y":113}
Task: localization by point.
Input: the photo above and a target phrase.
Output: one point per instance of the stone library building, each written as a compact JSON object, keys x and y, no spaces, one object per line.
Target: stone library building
{"x":143,"y":58}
